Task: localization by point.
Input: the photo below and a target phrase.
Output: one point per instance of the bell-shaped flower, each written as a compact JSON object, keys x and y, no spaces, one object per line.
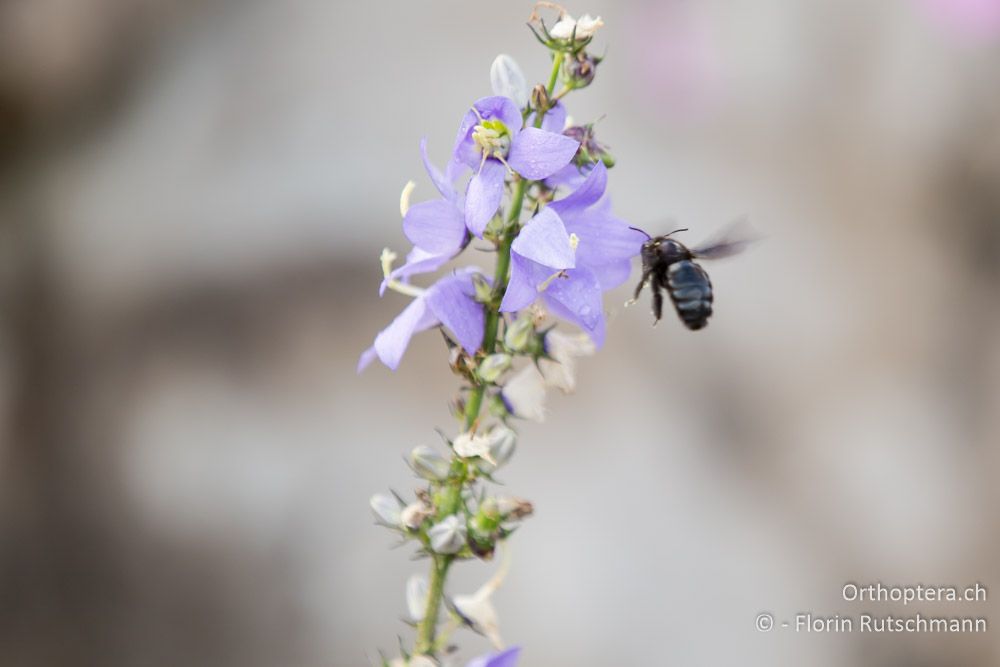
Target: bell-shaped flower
{"x":491,"y":139}
{"x":544,"y":263}
{"x":436,"y":228}
{"x":449,"y":302}
{"x":571,"y":252}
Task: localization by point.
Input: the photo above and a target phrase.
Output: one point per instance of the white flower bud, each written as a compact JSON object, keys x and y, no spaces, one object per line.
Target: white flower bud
{"x":468,"y":445}
{"x":428,"y":464}
{"x":493,"y":366}
{"x":416,"y":596}
{"x":508,"y":80}
{"x":387,"y":509}
{"x":524,"y":394}
{"x":448,"y":536}
{"x":414,"y":514}
{"x":518,"y":334}
{"x":503,"y":441}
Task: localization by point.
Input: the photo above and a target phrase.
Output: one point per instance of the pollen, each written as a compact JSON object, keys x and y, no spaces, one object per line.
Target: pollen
{"x":574,"y":241}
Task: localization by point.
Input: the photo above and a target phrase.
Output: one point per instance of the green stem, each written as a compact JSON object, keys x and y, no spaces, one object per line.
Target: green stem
{"x":427,"y":628}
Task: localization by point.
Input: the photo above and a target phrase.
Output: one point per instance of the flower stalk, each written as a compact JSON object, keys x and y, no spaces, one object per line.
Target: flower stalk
{"x":513,"y":145}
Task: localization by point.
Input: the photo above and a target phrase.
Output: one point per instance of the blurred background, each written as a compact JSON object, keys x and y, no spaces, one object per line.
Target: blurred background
{"x":193,"y":197}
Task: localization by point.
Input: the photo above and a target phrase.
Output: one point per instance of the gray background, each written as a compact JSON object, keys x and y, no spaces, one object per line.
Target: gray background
{"x":193,"y":197}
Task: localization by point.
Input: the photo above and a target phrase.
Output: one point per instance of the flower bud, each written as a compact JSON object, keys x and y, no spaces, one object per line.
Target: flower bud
{"x":580,"y":70}
{"x":416,"y":596}
{"x":493,"y":366}
{"x":518,"y":335}
{"x":414,"y":514}
{"x":484,"y":291}
{"x":508,"y":80}
{"x":387,"y":509}
{"x":428,"y":464}
{"x":502,"y":442}
{"x":540,"y":98}
{"x":448,"y":536}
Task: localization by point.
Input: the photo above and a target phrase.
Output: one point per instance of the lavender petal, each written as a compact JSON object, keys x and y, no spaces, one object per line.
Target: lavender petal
{"x":537,"y":154}
{"x":483,"y":196}
{"x":436,"y":226}
{"x":545,"y":240}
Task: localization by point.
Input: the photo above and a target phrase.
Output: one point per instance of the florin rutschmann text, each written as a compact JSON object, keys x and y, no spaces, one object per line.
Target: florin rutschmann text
{"x":870,"y":622}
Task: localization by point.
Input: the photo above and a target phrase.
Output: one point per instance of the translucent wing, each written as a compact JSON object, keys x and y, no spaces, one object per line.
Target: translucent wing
{"x":732,"y":239}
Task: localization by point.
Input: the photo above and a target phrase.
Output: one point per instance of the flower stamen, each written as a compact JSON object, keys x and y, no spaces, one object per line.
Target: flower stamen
{"x":386,"y":259}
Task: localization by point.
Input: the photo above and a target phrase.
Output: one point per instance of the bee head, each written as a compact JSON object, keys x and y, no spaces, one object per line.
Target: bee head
{"x":663,"y":249}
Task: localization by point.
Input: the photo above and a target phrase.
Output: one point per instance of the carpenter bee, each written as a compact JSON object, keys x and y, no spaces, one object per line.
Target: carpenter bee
{"x":668,"y":264}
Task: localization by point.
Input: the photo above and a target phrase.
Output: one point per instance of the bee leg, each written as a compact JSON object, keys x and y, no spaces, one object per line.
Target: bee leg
{"x":638,"y":289}
{"x":657,"y":302}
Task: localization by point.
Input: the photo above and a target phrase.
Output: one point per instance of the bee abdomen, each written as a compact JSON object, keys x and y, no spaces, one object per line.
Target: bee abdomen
{"x":691,"y":291}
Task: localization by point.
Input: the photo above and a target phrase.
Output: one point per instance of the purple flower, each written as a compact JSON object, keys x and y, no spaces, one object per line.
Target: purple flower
{"x":447,"y":302}
{"x":436,"y":228}
{"x":506,"y":658}
{"x":571,"y":252}
{"x":491,"y":139}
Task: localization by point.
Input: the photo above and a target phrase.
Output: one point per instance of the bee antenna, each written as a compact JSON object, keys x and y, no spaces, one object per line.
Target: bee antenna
{"x":683,"y":229}
{"x":641,"y":232}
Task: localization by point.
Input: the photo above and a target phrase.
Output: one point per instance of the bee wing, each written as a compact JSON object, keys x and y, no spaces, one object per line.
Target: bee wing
{"x":732,"y":239}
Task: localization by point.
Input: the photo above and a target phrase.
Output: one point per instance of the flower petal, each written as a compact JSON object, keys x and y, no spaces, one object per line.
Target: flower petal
{"x":545,"y":240}
{"x":588,"y":194}
{"x":436,"y":226}
{"x":483,"y":196}
{"x":577,"y":298}
{"x":451,"y":302}
{"x":570,"y":176}
{"x":522,"y":289}
{"x":507,"y":658}
{"x":524,"y":394}
{"x":536,"y":153}
{"x":604,"y":239}
{"x":367,"y":357}
{"x":554,"y":119}
{"x":613,"y":274}
{"x":507,"y":79}
{"x":391,"y":342}
{"x":441,"y":181}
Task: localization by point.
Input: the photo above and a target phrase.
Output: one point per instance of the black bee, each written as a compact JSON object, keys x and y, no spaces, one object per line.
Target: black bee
{"x":668,"y":264}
